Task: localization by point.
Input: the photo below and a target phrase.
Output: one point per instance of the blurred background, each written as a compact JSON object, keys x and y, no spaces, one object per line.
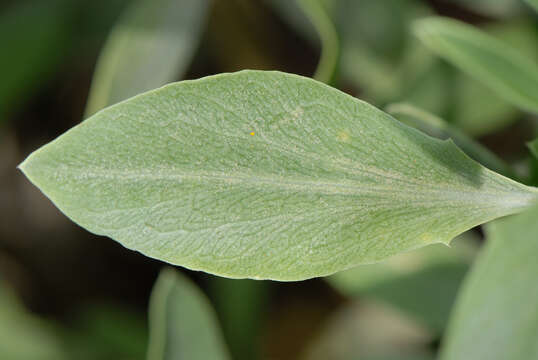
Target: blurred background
{"x":66,"y":291}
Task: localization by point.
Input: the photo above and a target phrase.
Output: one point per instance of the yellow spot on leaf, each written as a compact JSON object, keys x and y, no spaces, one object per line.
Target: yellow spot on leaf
{"x":252,"y":133}
{"x":343,"y":136}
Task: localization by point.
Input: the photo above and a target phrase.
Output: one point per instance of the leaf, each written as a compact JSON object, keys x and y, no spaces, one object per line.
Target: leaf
{"x":152,"y":44}
{"x":496,"y":313}
{"x":533,"y":146}
{"x":422,"y":283}
{"x":437,"y":127}
{"x":24,"y":336}
{"x":265,"y":175}
{"x":319,"y":18}
{"x":182,"y":322}
{"x":505,"y":70}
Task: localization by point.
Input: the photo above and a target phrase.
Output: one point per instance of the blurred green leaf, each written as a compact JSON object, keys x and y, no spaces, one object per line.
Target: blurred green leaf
{"x":533,"y":3}
{"x":152,"y":44}
{"x":422,"y":283}
{"x":496,"y":315}
{"x":369,"y":331}
{"x":182,"y":322}
{"x":533,"y":146}
{"x":495,"y":8}
{"x":437,"y":127}
{"x":24,"y":336}
{"x":241,"y":305}
{"x":34,"y":36}
{"x":510,"y":74}
{"x":477,"y":109}
{"x":266,"y":175}
{"x":319,"y":18}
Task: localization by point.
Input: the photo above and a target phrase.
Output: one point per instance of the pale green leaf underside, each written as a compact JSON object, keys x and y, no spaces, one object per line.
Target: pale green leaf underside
{"x":437,"y":127}
{"x":151,"y":45}
{"x":496,"y":315}
{"x":182,"y":323}
{"x":505,"y":70}
{"x":265,"y":175}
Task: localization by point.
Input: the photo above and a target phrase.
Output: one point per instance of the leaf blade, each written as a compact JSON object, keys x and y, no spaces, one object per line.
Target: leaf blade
{"x":151,"y":44}
{"x":497,"y":304}
{"x":182,"y":323}
{"x":497,"y":65}
{"x":265,"y":175}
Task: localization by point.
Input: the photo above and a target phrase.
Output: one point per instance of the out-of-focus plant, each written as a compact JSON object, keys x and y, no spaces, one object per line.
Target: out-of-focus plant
{"x":269,"y":175}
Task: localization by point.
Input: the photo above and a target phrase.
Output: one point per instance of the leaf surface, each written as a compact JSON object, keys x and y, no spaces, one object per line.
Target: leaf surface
{"x":496,"y":314}
{"x":498,"y":65}
{"x":152,"y":44}
{"x":182,"y":322}
{"x":437,"y":127}
{"x":265,"y":175}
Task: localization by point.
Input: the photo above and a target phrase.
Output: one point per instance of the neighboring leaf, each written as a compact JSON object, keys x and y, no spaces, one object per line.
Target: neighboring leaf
{"x":367,"y":330}
{"x":533,"y":146}
{"x":33,"y":36}
{"x":152,"y":44}
{"x":422,"y":283}
{"x":533,"y":3}
{"x":496,"y":8}
{"x":437,"y":127}
{"x":477,"y":109}
{"x":24,"y":336}
{"x":328,"y":61}
{"x":265,"y":175}
{"x":505,"y":70}
{"x":182,"y":322}
{"x":496,"y":314}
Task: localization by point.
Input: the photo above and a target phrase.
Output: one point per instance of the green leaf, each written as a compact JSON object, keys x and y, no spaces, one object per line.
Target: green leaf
{"x":319,"y":18}
{"x":533,"y":146}
{"x":505,"y":70}
{"x":437,"y":127}
{"x":152,"y":44}
{"x":533,"y":3}
{"x":182,"y":322}
{"x":265,"y":175}
{"x":24,"y":336}
{"x":422,"y":283}
{"x":496,"y":313}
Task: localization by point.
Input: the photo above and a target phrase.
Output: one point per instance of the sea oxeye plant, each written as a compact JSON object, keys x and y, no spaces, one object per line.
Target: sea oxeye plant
{"x":273,"y":176}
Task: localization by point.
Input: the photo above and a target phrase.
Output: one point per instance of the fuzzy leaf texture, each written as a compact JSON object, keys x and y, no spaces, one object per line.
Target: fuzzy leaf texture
{"x":265,"y":175}
{"x":496,"y":314}
{"x":509,"y":73}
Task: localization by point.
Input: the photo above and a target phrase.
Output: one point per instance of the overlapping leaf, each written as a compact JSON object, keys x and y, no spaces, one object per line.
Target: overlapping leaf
{"x":151,"y":45}
{"x":265,"y":175}
{"x":182,"y":323}
{"x":496,"y":314}
{"x":498,"y":65}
